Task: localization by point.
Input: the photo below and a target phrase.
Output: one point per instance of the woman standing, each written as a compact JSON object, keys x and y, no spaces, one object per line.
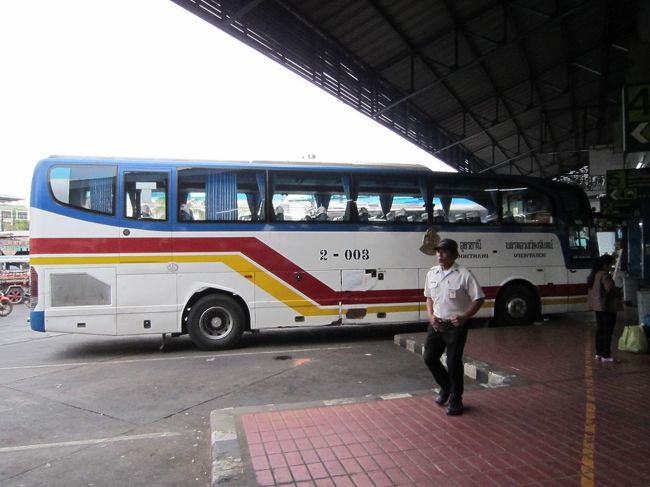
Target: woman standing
{"x":602,"y":298}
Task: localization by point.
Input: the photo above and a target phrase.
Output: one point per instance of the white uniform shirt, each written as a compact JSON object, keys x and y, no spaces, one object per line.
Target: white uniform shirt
{"x":452,"y":293}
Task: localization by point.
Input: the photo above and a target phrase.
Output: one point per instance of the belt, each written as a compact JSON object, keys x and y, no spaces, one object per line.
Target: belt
{"x":445,"y":323}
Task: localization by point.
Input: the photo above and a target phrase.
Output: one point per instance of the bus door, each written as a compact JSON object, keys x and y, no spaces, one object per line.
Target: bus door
{"x":146,"y":274}
{"x":581,"y":241}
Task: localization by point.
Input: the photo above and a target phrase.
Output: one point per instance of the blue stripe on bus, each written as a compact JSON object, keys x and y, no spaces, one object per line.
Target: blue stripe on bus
{"x":37,"y":320}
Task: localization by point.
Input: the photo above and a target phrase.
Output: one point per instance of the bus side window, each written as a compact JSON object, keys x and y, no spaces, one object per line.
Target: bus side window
{"x":85,"y":187}
{"x":391,"y":199}
{"x":465,"y":200}
{"x":220,"y":195}
{"x":580,"y":241}
{"x":526,"y":206}
{"x":306,"y":196}
{"x":146,"y":195}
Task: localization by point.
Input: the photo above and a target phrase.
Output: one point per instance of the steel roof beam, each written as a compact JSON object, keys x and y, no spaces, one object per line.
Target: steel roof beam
{"x":488,"y":74}
{"x":477,"y":59}
{"x":533,"y":78}
{"x":327,"y":60}
{"x":416,"y":51}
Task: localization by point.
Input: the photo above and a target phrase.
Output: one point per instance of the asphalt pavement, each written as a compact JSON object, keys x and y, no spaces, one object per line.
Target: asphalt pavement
{"x":85,"y":410}
{"x":321,"y":407}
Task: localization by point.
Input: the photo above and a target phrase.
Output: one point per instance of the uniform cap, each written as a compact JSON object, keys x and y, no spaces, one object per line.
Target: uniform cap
{"x":447,"y":244}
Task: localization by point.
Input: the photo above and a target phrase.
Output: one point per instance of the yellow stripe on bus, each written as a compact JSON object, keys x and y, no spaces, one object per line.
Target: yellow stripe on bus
{"x":263,"y":280}
{"x":237,"y":263}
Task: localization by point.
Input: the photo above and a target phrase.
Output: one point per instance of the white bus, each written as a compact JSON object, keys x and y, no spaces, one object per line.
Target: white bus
{"x":215,"y":249}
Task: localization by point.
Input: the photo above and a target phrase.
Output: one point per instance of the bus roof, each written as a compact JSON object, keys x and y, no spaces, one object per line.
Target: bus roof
{"x":418,"y":169}
{"x":235,"y":163}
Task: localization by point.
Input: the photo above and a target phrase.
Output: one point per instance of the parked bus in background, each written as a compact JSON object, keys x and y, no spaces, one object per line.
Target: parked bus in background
{"x":215,"y":249}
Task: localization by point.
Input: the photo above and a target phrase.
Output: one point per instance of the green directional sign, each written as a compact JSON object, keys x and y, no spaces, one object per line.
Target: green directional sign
{"x":636,"y":117}
{"x":628,"y":184}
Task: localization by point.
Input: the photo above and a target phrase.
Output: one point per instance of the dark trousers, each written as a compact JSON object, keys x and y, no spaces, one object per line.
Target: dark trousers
{"x":451,"y":378}
{"x":605,"y":322}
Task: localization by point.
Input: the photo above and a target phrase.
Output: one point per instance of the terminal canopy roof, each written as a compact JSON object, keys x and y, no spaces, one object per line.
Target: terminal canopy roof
{"x":521,"y":87}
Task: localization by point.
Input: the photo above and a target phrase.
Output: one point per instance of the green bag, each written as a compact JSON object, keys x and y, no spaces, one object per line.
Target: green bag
{"x":633,"y":339}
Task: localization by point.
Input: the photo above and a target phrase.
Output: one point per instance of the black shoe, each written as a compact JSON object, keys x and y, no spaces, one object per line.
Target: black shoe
{"x":442,"y":397}
{"x":455,"y":408}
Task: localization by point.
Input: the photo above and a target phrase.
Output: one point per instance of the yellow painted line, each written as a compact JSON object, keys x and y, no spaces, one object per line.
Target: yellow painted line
{"x":589,"y":435}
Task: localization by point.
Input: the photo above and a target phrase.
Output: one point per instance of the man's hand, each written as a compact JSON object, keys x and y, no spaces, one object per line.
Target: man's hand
{"x":434,"y":323}
{"x":459,"y":320}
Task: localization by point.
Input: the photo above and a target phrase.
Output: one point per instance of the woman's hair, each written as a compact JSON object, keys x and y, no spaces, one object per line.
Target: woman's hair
{"x":605,"y":259}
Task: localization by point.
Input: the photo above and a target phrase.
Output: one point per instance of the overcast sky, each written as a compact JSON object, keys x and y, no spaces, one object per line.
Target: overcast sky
{"x":146,"y":78}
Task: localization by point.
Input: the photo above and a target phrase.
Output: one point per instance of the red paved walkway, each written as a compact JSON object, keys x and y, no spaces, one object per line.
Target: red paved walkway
{"x":578,"y":422}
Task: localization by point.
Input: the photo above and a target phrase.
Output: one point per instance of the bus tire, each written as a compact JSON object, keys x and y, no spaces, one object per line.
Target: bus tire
{"x":216,"y":322}
{"x":516,"y":305}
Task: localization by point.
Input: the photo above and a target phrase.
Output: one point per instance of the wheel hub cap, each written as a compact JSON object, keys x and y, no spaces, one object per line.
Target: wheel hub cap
{"x":517,"y":308}
{"x":216,"y":322}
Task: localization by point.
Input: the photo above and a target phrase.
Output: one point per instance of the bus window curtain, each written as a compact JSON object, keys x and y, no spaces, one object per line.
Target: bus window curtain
{"x":323,"y":200}
{"x":256,"y":200}
{"x":101,"y":195}
{"x":427,"y":195}
{"x":221,"y":197}
{"x":446,"y":204}
{"x":494,"y":199}
{"x":261,"y":187}
{"x":252,"y":199}
{"x":351,"y":189}
{"x":386,"y":202}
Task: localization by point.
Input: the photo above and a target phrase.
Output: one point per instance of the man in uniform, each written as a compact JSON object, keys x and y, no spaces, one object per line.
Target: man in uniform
{"x":453,"y":297}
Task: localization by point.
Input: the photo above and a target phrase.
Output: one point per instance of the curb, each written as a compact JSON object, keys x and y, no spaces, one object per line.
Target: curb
{"x":227,"y":464}
{"x":481,"y":372}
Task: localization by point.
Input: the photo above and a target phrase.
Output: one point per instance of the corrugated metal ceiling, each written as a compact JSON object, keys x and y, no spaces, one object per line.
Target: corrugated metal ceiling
{"x":488,"y":86}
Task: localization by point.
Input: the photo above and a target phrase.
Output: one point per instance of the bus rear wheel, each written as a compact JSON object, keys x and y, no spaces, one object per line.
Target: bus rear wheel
{"x":215,"y":322}
{"x":516,"y":306}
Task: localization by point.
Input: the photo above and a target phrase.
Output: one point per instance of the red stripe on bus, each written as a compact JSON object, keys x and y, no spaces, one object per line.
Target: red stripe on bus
{"x":263,"y":255}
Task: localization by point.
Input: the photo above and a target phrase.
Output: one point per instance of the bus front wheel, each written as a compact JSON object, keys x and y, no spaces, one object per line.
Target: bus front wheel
{"x":215,"y":322}
{"x":516,"y":305}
